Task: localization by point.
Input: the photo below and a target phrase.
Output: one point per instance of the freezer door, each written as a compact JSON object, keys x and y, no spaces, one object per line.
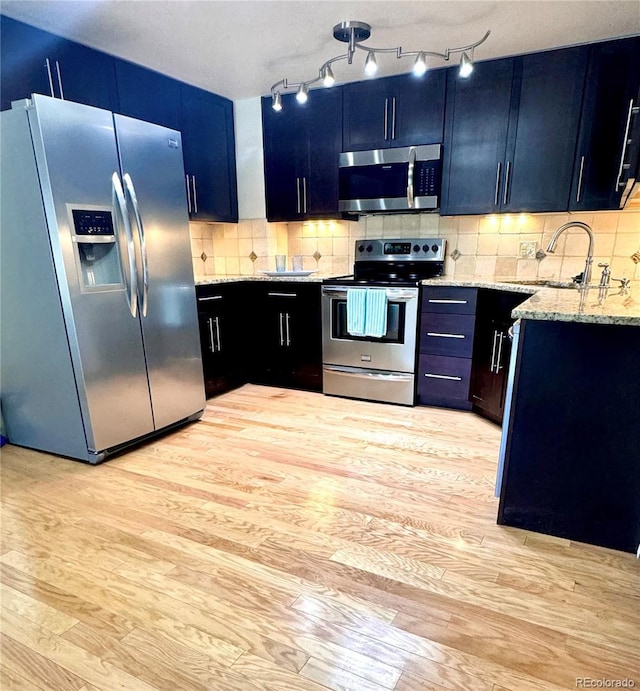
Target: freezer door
{"x":153,"y":176}
{"x":76,"y":154}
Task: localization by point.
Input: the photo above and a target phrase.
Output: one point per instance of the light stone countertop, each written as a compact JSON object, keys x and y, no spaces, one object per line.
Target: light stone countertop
{"x":214,"y":280}
{"x":567,"y":304}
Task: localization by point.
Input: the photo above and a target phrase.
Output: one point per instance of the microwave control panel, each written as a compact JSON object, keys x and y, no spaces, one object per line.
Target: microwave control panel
{"x":427,"y":178}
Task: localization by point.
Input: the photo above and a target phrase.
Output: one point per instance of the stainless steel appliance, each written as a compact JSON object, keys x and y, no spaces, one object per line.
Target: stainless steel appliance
{"x":100,"y":343}
{"x":378,"y":368}
{"x":406,"y":178}
{"x":629,"y":171}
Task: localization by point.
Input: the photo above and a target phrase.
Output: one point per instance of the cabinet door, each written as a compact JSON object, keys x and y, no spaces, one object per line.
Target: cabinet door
{"x":611,"y":89}
{"x":290,"y":334}
{"x":148,"y":95}
{"x":285,"y":155}
{"x":491,"y":351}
{"x":543,"y":130}
{"x":209,"y":155}
{"x":418,"y":117}
{"x":324,"y":139}
{"x":86,"y":75}
{"x":366,"y":116}
{"x":23,"y":52}
{"x":222,"y":336}
{"x":34,"y":61}
{"x":476,"y":123}
{"x":394,"y":111}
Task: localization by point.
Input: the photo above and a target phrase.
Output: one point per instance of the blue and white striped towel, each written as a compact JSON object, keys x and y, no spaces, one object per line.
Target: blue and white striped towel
{"x":375,"y":323}
{"x":356,"y":307}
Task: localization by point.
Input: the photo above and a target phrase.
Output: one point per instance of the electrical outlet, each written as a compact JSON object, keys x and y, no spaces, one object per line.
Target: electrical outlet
{"x":528,"y":249}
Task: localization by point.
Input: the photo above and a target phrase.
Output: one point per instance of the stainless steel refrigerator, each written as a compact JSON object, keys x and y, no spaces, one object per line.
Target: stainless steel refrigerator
{"x":99,"y":334}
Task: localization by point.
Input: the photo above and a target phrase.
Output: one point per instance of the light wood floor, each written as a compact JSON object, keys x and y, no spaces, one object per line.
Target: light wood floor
{"x":294,"y":541}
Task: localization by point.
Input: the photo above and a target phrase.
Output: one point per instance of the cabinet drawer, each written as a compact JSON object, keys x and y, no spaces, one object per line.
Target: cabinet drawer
{"x":443,"y":378}
{"x":449,"y":300}
{"x":447,"y":334}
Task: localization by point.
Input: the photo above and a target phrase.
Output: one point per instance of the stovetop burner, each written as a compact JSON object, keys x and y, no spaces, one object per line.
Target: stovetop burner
{"x":402,"y":262}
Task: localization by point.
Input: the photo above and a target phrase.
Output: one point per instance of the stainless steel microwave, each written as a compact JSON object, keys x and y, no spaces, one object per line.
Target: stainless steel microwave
{"x":403,"y":179}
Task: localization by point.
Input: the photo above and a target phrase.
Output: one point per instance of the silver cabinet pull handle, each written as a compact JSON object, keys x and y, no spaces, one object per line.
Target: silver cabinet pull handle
{"x":288,"y":330}
{"x":625,"y":143}
{"x":304,"y":195}
{"x":188,"y":194}
{"x":59,"y":80}
{"x":410,"y":171}
{"x":218,"y":333}
{"x":496,"y":196}
{"x":499,"y":357}
{"x":507,"y":175}
{"x":386,"y":118}
{"x":282,"y":295}
{"x":118,"y":202}
{"x":195,"y":194}
{"x":493,"y":352}
{"x":393,"y":118}
{"x":442,"y":376}
{"x":448,"y":302}
{"x":281,"y":319}
{"x":131,"y":191}
{"x":47,"y":64}
{"x":212,"y":346}
{"x":298,"y":195}
{"x":442,"y":335}
{"x":579,"y":192}
{"x":209,"y":298}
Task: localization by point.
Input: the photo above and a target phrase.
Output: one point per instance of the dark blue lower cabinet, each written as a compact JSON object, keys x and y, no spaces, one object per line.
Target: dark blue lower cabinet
{"x":572,"y":461}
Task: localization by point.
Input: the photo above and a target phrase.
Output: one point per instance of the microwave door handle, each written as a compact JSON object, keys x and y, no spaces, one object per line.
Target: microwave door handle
{"x":410,"y":171}
{"x":625,"y":142}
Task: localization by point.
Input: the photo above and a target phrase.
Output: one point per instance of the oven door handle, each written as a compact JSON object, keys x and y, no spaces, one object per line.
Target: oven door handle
{"x":369,"y":374}
{"x":393,"y":294}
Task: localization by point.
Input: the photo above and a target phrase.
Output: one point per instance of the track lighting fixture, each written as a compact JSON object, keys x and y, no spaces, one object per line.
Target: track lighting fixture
{"x":370,"y":64}
{"x":353,"y":33}
{"x":420,"y":65}
{"x":303,"y":93}
{"x":466,"y":66}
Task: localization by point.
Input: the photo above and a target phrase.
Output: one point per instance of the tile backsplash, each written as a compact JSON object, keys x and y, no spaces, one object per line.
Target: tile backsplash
{"x":487,"y":246}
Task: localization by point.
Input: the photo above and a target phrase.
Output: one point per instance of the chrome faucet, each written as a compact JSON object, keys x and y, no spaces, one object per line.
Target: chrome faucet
{"x":586,"y":274}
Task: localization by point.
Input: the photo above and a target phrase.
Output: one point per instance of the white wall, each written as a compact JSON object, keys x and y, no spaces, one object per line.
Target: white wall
{"x":249,"y":162}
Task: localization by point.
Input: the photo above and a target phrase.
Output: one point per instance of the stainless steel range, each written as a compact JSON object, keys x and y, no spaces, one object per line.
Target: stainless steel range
{"x":369,"y":319}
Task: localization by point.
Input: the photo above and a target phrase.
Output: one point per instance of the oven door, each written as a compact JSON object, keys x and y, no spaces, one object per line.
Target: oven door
{"x":395,"y":351}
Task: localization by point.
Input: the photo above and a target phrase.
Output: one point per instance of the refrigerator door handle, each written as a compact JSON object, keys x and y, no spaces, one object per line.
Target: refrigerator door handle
{"x":118,"y":202}
{"x":131,"y":191}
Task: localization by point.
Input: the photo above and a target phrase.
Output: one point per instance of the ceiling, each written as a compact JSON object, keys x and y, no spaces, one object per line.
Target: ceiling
{"x":239,"y":48}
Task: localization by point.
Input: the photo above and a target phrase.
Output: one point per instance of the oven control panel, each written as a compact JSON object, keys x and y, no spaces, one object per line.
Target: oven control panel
{"x":404,"y":249}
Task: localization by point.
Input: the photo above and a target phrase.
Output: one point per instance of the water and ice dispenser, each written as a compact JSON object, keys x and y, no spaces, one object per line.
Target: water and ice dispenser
{"x":97,"y":252}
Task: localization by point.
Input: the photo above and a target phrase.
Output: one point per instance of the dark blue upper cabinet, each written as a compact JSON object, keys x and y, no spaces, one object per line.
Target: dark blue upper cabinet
{"x":34,"y":61}
{"x":510,"y":134}
{"x":209,"y":155}
{"x":547,"y":97}
{"x":611,"y":91}
{"x":475,"y":141}
{"x":148,"y":95}
{"x":302,"y":145}
{"x":394,"y":111}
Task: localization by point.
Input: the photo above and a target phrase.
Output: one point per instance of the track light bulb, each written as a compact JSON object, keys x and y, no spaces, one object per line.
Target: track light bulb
{"x":370,"y":65}
{"x":276,"y":102}
{"x":303,"y":93}
{"x":327,"y":76}
{"x":420,"y":65}
{"x":466,"y":66}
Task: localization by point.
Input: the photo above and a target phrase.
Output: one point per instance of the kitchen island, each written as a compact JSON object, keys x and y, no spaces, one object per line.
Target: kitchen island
{"x":571,"y":438}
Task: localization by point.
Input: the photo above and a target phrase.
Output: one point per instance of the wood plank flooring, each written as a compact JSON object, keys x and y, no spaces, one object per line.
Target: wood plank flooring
{"x":291,"y":541}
